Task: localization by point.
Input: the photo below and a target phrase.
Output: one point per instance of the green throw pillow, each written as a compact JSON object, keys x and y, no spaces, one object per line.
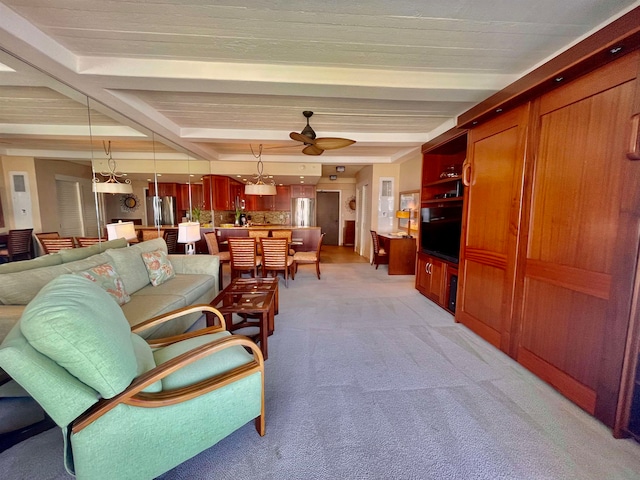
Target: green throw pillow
{"x":158,"y":266}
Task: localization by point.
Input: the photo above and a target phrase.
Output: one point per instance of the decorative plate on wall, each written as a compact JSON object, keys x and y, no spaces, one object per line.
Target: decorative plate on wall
{"x":351,"y":203}
{"x":129,"y":202}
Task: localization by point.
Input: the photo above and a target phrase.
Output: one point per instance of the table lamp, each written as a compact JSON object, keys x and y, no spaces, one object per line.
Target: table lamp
{"x":121,"y":229}
{"x":189,"y":233}
{"x":405,"y":214}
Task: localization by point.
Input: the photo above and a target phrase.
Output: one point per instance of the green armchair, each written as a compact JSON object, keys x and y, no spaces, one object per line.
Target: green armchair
{"x":128,"y":408}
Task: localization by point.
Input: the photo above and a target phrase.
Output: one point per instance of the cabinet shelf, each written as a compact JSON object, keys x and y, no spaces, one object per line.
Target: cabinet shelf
{"x":443,"y":200}
{"x":443,"y":181}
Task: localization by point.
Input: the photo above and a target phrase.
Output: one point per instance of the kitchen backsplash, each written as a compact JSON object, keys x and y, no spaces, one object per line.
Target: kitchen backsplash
{"x":268,"y":217}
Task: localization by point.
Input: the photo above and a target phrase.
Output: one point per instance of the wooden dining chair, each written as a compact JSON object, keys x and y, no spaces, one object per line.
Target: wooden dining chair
{"x":276,"y":258}
{"x":288,"y":234}
{"x":19,"y":245}
{"x":258,"y":234}
{"x":171,"y":239}
{"x":301,"y":258}
{"x":88,"y":241}
{"x":242,"y":251}
{"x":53,"y":245}
{"x":380,"y":256}
{"x":214,"y":249}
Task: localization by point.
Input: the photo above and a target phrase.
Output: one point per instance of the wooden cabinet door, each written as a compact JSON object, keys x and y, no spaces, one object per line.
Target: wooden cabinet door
{"x":236,"y":191}
{"x":490,"y":227}
{"x":221,"y":193}
{"x":430,"y":278}
{"x":283,"y":198}
{"x":582,"y":243}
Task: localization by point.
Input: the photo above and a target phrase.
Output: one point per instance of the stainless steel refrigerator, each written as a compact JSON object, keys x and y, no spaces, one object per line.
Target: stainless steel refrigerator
{"x":303,"y":212}
{"x":162,"y":211}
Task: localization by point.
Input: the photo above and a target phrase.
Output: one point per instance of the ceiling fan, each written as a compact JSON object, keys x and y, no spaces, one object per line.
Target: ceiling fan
{"x":316,"y":146}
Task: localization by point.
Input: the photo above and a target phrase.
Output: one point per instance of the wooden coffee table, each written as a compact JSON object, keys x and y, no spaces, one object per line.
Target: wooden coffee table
{"x":249,"y":298}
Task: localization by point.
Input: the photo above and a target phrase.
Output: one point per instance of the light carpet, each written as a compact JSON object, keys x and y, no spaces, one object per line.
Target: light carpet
{"x":367,"y":379}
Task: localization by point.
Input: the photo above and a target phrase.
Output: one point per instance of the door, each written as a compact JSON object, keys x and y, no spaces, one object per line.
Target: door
{"x":490,"y":226}
{"x":582,"y":243}
{"x":328,"y":216}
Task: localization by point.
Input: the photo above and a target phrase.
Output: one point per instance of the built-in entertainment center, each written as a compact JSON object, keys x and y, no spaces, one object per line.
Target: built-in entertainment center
{"x":441,"y":218}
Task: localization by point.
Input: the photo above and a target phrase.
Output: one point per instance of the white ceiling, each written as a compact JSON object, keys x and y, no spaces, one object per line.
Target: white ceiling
{"x":214,"y":79}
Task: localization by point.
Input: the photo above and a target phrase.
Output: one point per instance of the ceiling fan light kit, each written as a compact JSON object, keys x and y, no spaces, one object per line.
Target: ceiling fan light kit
{"x":260,"y":186}
{"x":317,"y":146}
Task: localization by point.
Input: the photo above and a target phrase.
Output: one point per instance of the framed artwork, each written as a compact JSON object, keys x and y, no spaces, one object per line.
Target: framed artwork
{"x":410,"y":200}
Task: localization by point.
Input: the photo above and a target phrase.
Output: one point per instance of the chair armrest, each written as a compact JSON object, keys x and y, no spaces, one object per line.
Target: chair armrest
{"x":134,"y":396}
{"x":165,"y":317}
{"x":205,"y":264}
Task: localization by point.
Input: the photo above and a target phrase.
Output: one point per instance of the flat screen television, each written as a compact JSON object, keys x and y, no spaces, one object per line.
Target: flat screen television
{"x":440,"y":231}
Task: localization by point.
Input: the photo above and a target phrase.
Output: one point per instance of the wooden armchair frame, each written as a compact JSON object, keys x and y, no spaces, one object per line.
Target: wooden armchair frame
{"x":380,"y":256}
{"x":134,"y":395}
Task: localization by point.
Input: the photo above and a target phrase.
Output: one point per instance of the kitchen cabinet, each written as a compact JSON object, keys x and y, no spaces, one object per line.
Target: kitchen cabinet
{"x":283,"y":198}
{"x":217,"y":193}
{"x":281,"y":201}
{"x":430,"y":278}
{"x":164,"y":189}
{"x":183,"y":196}
{"x":303,"y":191}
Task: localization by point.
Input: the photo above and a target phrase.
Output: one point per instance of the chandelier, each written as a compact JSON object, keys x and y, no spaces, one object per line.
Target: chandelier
{"x":111,"y":184}
{"x":259,"y":186}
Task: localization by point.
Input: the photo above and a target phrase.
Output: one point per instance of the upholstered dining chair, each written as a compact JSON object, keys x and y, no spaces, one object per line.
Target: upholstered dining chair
{"x":129,"y":408}
{"x":380,"y":256}
{"x":243,"y":256}
{"x":258,"y":234}
{"x":53,"y":245}
{"x":288,"y":234}
{"x":214,"y":249}
{"x":301,"y":258}
{"x":19,"y":245}
{"x":276,"y":258}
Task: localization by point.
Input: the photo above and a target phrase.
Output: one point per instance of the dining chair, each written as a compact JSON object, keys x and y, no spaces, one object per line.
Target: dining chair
{"x":380,"y":256}
{"x":258,"y":234}
{"x":19,"y":245}
{"x":276,"y":258}
{"x":88,"y":241}
{"x":171,"y":239}
{"x":242,"y":251}
{"x":288,"y":234}
{"x":214,"y":249}
{"x":53,"y":245}
{"x":309,"y":257}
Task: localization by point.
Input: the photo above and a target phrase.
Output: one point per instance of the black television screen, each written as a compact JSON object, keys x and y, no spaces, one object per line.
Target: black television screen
{"x":440,"y":231}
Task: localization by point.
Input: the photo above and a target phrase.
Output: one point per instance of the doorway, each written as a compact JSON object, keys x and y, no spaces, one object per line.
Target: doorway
{"x":328,"y":216}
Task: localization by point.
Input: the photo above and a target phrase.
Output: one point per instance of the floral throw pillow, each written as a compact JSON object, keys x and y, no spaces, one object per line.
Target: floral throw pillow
{"x":105,"y":276}
{"x":158,"y":266}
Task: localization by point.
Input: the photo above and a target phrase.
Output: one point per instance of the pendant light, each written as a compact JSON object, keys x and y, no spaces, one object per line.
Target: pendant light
{"x":259,"y":186}
{"x":111,"y":184}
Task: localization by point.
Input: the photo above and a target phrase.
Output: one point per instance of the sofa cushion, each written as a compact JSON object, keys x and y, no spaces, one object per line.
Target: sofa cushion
{"x":128,"y":263}
{"x":108,"y":279}
{"x":146,"y":362}
{"x":144,"y":307}
{"x":39,"y":262}
{"x":86,"y":263}
{"x":158,"y":267}
{"x":77,"y":324}
{"x":20,"y":288}
{"x":191,"y":287}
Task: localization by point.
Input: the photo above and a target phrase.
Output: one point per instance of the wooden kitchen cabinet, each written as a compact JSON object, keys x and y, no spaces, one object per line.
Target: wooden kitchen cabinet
{"x":183,"y":197}
{"x":217,"y":192}
{"x":283,"y":198}
{"x":303,"y":191}
{"x":430,"y":278}
{"x":164,"y":190}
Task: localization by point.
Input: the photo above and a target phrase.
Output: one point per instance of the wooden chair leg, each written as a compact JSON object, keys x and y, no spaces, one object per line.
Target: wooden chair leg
{"x":318,"y":269}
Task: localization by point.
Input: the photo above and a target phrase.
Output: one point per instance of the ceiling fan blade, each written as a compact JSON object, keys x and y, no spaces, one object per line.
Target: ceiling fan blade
{"x":331,"y":143}
{"x":312,"y":150}
{"x":301,"y":138}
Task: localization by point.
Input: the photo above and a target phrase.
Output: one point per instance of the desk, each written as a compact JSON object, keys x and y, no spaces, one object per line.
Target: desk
{"x":401,"y":252}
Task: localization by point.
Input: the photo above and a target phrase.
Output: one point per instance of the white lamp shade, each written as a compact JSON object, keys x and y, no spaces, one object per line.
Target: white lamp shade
{"x":121,"y":230}
{"x":112,"y":187}
{"x":259,"y":189}
{"x":188,"y":232}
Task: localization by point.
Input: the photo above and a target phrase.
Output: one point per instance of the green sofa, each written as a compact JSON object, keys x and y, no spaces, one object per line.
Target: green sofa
{"x":130,"y":408}
{"x":196,"y":281}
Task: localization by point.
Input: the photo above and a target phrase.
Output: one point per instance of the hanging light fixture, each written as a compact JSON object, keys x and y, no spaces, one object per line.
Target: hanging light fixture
{"x":111,"y":184}
{"x":259,"y":186}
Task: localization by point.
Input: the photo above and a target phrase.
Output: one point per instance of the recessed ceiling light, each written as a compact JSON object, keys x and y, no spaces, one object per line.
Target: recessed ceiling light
{"x":192,"y":175}
{"x":238,"y":176}
{"x":301,"y":181}
{"x":301,"y":176}
{"x":158,"y":174}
